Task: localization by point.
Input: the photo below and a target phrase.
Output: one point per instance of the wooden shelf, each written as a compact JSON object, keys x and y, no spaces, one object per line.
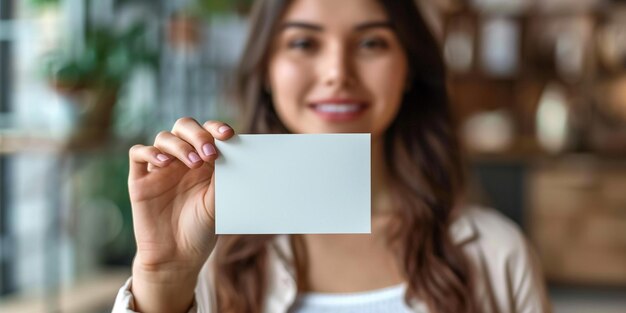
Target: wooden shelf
{"x":91,"y":294}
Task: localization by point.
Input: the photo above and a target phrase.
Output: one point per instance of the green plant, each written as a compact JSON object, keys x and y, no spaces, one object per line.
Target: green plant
{"x":107,"y":58}
{"x":104,"y":176}
{"x":216,"y":7}
{"x":43,"y":3}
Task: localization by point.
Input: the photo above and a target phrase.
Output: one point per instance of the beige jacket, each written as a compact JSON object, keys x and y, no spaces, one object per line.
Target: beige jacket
{"x":509,"y":276}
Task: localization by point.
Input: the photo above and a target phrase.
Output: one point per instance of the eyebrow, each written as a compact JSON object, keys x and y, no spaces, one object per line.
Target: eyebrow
{"x":368,"y":25}
{"x":317,"y":27}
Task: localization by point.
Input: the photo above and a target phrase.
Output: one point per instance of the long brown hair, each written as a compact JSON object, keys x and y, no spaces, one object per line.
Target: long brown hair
{"x":421,"y":153}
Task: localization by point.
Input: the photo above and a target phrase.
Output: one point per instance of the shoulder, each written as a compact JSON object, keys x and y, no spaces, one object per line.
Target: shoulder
{"x":495,"y":242}
{"x":491,"y":229}
{"x":505,"y":260}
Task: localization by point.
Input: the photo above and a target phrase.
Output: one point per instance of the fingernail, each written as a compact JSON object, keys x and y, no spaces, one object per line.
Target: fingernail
{"x":162,"y":157}
{"x":223,"y":129}
{"x":208,"y":149}
{"x":194,"y":157}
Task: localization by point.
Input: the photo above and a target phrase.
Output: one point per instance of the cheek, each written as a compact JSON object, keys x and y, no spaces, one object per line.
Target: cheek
{"x":288,"y":82}
{"x":386,"y":82}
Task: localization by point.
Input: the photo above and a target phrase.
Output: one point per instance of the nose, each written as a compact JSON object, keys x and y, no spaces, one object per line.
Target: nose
{"x":337,"y":68}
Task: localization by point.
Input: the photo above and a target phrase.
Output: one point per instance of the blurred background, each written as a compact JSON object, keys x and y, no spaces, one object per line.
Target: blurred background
{"x":538,"y":88}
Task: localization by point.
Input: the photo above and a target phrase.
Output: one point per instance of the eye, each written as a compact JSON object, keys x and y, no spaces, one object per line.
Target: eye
{"x":373,"y":44}
{"x":304,"y":44}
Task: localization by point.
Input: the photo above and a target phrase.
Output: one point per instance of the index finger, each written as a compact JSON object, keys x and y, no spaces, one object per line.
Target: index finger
{"x":219,"y":130}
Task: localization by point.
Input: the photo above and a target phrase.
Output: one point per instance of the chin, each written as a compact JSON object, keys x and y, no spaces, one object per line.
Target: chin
{"x":332,"y":128}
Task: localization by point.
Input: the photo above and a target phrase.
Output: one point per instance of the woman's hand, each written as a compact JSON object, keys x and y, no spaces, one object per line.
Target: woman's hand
{"x":172,"y":196}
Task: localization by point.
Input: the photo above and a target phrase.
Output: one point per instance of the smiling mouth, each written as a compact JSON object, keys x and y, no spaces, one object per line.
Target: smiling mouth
{"x":337,"y":108}
{"x":338,"y":111}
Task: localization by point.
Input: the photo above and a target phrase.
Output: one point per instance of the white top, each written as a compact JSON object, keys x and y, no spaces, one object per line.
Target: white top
{"x":385,"y":300}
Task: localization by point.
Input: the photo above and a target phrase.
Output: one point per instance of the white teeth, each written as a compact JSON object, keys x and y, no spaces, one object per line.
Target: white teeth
{"x":337,"y":108}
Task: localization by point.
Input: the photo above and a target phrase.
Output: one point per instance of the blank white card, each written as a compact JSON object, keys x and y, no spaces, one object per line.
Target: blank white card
{"x":293,"y":184}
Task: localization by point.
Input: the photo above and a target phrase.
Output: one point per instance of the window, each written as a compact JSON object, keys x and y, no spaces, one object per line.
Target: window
{"x":6,"y":73}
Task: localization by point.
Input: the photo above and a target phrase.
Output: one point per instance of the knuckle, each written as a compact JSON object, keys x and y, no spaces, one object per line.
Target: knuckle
{"x":161,"y":135}
{"x":134,"y":149}
{"x":183,"y":121}
{"x":185,"y":147}
{"x":202,"y":135}
{"x":210,"y":123}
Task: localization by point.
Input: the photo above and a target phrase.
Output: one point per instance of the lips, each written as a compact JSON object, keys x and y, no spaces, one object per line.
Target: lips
{"x":338,"y":110}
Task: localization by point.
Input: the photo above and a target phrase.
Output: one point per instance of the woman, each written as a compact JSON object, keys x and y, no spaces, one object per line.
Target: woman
{"x":326,"y":66}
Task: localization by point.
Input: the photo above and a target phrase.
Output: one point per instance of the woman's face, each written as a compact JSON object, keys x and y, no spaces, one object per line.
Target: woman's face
{"x":336,"y":67}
